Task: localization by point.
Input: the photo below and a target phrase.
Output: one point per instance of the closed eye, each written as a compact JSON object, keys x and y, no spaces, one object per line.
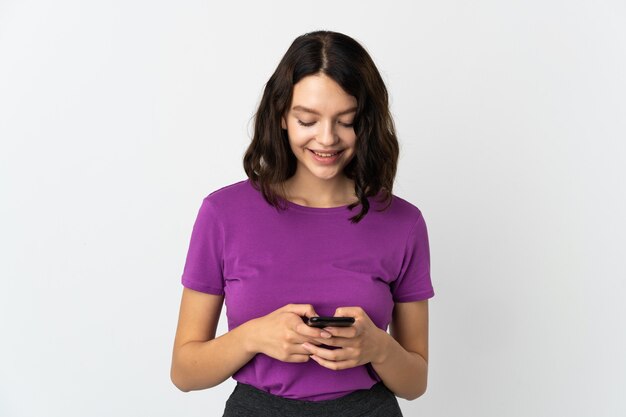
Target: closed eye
{"x":301,"y":123}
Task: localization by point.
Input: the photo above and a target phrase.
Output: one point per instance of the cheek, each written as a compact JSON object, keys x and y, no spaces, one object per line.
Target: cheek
{"x":298,"y":135}
{"x":296,"y":141}
{"x":351,"y":139}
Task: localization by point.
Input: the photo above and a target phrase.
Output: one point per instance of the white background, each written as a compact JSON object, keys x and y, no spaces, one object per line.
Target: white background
{"x":118,"y":117}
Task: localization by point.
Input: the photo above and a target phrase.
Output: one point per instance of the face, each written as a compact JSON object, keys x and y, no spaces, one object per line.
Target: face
{"x":320,"y":127}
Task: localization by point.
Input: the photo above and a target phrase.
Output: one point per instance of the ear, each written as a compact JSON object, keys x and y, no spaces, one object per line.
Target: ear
{"x":283,"y":123}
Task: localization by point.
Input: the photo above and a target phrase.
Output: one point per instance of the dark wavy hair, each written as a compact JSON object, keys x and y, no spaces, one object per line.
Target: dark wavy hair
{"x":269,"y":161}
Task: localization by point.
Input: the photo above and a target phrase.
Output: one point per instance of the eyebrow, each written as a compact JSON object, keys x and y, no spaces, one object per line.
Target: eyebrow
{"x":307,"y":110}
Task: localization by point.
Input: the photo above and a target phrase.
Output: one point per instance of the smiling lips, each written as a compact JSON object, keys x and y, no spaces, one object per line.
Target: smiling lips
{"x":326,"y":158}
{"x":326,"y":154}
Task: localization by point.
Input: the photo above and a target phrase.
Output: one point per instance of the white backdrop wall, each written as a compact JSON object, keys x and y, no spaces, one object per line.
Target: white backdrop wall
{"x":118,"y":117}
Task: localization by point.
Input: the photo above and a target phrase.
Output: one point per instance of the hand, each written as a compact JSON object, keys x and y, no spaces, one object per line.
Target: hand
{"x":281,"y":333}
{"x":359,"y":344}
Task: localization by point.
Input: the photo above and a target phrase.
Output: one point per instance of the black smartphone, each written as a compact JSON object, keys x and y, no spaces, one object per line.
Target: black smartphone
{"x":329,"y":321}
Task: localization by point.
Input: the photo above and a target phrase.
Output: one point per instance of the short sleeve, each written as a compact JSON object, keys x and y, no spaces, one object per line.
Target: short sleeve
{"x":203,"y":269}
{"x":413,"y":282}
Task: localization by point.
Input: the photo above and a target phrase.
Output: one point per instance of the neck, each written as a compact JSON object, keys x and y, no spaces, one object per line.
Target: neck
{"x":316,"y":192}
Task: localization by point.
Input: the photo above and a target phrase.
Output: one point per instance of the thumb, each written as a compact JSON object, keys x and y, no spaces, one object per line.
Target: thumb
{"x":302,"y":310}
{"x":345,"y":312}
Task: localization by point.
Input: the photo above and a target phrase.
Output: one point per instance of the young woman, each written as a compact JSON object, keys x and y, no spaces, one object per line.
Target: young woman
{"x":313,"y":231}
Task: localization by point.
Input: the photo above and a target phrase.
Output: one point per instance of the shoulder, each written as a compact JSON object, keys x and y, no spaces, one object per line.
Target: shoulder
{"x":402,"y":211}
{"x":233,"y":199}
{"x":398,"y":219}
{"x":234,"y":193}
{"x":405,"y":207}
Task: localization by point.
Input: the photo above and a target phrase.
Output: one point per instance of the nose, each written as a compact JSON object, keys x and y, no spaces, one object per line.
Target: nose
{"x":327,"y":136}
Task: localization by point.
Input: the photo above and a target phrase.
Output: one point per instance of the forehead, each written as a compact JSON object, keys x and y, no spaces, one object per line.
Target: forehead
{"x":322,"y":94}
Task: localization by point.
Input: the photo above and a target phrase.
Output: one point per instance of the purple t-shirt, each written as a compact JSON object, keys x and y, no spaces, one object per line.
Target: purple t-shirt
{"x":261,"y":259}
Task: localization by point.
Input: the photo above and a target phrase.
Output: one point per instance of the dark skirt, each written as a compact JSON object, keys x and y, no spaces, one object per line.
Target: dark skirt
{"x":248,"y":401}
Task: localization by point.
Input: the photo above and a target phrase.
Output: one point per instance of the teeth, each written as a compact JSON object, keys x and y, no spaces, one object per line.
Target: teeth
{"x":325,"y":155}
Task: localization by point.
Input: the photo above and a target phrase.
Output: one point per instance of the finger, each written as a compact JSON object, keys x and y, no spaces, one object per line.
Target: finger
{"x":295,"y":351}
{"x":349,"y":312}
{"x":334,"y":365}
{"x":328,"y":354}
{"x":298,"y":358}
{"x":312,"y":332}
{"x":302,"y":310}
{"x":347,"y":332}
{"x":300,"y":350}
{"x":339,"y":342}
{"x":297,"y":340}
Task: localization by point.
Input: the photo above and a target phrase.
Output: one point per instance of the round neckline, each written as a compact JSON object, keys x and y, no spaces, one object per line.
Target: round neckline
{"x":320,"y":210}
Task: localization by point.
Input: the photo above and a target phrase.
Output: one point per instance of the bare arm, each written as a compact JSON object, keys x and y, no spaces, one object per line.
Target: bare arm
{"x":400,"y":359}
{"x":403,"y":367}
{"x":199,"y":360}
